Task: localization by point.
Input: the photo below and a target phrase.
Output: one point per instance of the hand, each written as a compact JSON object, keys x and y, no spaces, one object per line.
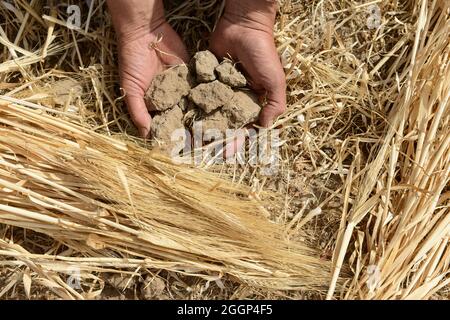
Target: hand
{"x":139,"y":24}
{"x":245,"y":32}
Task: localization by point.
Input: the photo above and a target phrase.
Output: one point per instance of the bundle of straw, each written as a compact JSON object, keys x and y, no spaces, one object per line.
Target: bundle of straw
{"x":403,"y":198}
{"x":364,"y":162}
{"x":122,"y":205}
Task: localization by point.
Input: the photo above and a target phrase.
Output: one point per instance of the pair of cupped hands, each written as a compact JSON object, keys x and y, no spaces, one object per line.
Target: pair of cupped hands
{"x":244,"y":33}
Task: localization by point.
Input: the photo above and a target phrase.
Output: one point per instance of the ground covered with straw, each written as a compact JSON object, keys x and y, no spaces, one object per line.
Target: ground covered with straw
{"x":358,"y":207}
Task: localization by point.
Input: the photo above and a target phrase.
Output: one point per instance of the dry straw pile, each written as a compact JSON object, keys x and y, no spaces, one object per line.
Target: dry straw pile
{"x":359,"y":208}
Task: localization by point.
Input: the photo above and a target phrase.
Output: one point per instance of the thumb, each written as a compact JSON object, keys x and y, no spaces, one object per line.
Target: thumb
{"x":276,"y":104}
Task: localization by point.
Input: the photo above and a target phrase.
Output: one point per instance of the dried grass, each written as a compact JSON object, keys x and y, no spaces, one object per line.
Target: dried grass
{"x":363,"y":178}
{"x":142,"y":210}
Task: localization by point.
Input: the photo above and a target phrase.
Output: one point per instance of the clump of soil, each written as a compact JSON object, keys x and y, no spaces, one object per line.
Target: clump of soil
{"x":169,"y":87}
{"x":229,"y":75}
{"x":209,"y":93}
{"x":205,"y":63}
{"x":210,"y":96}
{"x":164,"y":124}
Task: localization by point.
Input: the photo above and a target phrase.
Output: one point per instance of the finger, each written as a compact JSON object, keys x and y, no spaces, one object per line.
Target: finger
{"x":217,"y":47}
{"x":139,"y":114}
{"x":276,"y":104}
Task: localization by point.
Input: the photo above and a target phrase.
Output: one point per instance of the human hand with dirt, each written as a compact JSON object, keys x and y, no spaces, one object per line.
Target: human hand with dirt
{"x":245,"y":32}
{"x":138,"y":25}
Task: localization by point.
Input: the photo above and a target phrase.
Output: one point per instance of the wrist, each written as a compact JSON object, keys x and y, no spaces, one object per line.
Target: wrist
{"x":134,"y":18}
{"x":255,"y":14}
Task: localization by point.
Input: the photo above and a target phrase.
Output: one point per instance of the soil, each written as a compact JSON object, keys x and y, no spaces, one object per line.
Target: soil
{"x":206,"y":92}
{"x":229,"y":75}
{"x":214,"y":121}
{"x":242,"y":109}
{"x":210,"y":96}
{"x":205,"y":64}
{"x":164,"y":124}
{"x":168,"y":88}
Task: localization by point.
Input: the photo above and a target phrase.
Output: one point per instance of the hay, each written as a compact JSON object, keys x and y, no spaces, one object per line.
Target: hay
{"x":110,"y":199}
{"x":363,"y":179}
{"x":402,"y":194}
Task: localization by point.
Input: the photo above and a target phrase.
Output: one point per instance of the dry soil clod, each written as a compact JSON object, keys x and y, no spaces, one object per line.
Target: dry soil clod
{"x":205,"y":63}
{"x":212,"y":103}
{"x":210,"y":96}
{"x":229,"y":75}
{"x":65,"y":89}
{"x":168,"y":88}
{"x":216,"y":121}
{"x":165,"y":124}
{"x":242,"y":109}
